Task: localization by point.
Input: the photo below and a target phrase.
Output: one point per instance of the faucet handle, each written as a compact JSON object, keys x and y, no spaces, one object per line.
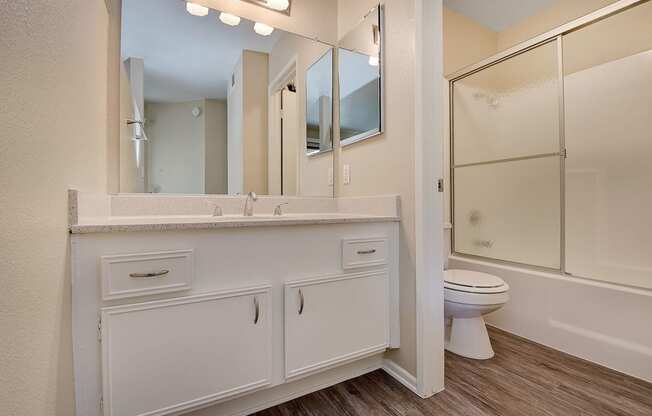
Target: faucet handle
{"x":278,"y":211}
{"x":253,"y":196}
{"x":217,"y":212}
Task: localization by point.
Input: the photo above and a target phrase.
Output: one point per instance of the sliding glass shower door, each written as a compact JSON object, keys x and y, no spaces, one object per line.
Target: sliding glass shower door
{"x":506,"y":160}
{"x":551,"y":152}
{"x":608,"y":111}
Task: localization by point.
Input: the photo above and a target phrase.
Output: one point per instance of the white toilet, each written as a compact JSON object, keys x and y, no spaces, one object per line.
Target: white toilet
{"x":469,"y":295}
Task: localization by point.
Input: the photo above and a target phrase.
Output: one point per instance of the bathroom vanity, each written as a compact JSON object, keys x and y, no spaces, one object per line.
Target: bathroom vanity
{"x":177,"y":312}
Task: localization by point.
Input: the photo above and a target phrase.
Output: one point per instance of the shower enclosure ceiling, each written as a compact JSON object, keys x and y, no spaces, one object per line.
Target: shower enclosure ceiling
{"x":550,"y":150}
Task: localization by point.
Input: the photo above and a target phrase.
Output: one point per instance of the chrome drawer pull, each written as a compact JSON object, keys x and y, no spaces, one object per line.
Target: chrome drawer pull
{"x":301,"y":300}
{"x":257,"y":314}
{"x":372,"y":251}
{"x":149,"y":275}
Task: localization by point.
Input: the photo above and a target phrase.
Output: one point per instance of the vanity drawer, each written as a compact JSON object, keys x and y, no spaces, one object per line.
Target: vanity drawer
{"x":131,"y":275}
{"x":364,"y":252}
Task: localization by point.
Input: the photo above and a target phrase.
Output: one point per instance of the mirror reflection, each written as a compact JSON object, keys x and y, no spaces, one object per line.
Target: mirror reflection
{"x":319,"y":83}
{"x":360,"y":75}
{"x":216,"y":104}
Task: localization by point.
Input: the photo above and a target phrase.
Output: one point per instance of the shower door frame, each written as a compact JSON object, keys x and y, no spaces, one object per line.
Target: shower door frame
{"x":555,"y":35}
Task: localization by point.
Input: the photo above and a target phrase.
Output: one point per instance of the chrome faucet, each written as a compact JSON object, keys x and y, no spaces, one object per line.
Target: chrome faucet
{"x":278,"y":211}
{"x":249,"y":204}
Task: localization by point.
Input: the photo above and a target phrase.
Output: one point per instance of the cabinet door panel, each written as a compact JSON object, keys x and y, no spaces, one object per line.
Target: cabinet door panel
{"x":334,"y":320}
{"x":167,"y":356}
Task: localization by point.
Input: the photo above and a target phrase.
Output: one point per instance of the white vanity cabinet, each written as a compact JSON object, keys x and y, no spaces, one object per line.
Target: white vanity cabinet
{"x":243,"y":317}
{"x":335,"y":319}
{"x":170,"y":355}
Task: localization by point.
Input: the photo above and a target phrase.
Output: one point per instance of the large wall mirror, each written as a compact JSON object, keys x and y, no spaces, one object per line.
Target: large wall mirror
{"x":215,"y":104}
{"x":360,"y":79}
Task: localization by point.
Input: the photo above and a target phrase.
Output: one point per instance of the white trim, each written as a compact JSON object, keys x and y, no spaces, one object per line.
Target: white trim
{"x":400,"y":374}
{"x":333,"y":362}
{"x":429,"y":206}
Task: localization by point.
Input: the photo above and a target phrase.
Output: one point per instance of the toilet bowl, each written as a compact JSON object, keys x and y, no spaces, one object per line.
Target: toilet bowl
{"x":469,"y":295}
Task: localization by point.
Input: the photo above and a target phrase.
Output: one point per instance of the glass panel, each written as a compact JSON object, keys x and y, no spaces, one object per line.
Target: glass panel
{"x":509,"y":211}
{"x":508,"y":110}
{"x":607,"y":77}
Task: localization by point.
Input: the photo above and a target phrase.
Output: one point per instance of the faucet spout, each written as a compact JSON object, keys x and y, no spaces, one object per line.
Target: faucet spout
{"x":249,"y":204}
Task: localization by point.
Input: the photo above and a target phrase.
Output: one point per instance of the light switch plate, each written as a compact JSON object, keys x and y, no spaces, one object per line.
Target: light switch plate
{"x":347,"y":174}
{"x":330,"y":177}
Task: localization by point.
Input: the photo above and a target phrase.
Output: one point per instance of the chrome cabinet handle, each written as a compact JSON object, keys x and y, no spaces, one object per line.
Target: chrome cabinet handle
{"x":257,"y":313}
{"x":148,"y":275}
{"x":372,"y":251}
{"x":300,"y":302}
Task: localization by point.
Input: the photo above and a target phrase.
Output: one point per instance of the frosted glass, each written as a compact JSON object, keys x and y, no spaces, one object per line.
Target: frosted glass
{"x":509,"y":211}
{"x":608,"y":98}
{"x":508,"y":110}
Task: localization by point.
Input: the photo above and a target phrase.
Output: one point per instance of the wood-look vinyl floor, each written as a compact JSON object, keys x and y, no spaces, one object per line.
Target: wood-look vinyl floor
{"x":523,"y":379}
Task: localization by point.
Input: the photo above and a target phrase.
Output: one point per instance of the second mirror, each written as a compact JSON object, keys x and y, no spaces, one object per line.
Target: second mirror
{"x":360,"y":79}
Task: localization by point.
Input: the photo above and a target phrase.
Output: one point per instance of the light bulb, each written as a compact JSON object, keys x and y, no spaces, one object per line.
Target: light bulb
{"x":196,"y":9}
{"x":373,"y":61}
{"x":278,"y":4}
{"x":229,"y":19}
{"x":262,"y":29}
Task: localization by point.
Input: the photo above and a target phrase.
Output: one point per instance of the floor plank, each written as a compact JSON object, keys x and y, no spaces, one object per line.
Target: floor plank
{"x":523,"y":378}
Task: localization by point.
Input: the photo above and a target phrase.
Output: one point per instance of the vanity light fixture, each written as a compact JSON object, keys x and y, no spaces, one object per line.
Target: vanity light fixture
{"x":262,"y":29}
{"x":229,"y":19}
{"x":196,"y":9}
{"x":278,"y":4}
{"x":373,"y":60}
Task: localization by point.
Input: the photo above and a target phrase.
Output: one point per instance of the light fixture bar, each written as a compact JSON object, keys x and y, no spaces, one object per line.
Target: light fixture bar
{"x":263,"y":3}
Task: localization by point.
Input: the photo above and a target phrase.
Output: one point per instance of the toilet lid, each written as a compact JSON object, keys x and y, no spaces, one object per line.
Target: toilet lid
{"x":474,"y":282}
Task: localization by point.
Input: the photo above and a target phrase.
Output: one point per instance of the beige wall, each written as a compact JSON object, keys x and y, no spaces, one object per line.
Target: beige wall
{"x":465,"y":41}
{"x":385,"y":164}
{"x":255,"y":74}
{"x":175,"y":149}
{"x":215,"y":147}
{"x":53,"y":135}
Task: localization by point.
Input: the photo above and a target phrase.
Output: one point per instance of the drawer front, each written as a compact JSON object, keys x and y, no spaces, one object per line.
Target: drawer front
{"x":130,"y":275}
{"x":364,"y":252}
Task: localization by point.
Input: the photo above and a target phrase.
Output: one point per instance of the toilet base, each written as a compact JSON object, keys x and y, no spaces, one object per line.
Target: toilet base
{"x":468,"y":337}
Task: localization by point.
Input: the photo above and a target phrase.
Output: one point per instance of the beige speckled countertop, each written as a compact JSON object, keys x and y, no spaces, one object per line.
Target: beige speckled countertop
{"x":198,"y":222}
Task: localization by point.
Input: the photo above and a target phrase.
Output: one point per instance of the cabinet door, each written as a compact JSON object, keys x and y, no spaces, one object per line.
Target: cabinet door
{"x":167,"y":356}
{"x":335,"y":320}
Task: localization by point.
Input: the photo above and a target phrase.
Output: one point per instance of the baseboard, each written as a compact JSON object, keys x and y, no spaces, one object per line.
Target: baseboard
{"x":401,"y":375}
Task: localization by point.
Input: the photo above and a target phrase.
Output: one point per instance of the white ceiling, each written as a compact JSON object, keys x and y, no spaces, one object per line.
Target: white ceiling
{"x":498,"y":15}
{"x":186,"y":57}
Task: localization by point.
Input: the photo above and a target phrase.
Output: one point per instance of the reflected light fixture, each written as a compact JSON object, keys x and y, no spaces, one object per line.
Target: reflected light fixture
{"x":196,"y":9}
{"x":373,"y":60}
{"x":229,"y":19}
{"x":262,"y":29}
{"x":278,"y":4}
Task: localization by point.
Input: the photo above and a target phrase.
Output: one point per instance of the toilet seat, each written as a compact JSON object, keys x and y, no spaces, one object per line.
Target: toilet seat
{"x":473,"y":282}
